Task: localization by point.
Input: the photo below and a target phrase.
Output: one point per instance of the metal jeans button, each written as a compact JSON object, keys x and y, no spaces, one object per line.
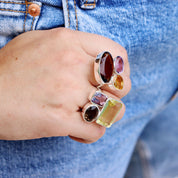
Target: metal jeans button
{"x":34,"y":10}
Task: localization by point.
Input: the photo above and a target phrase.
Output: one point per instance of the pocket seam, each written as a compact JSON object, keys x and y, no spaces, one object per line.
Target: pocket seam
{"x":10,"y":10}
{"x":26,"y":4}
{"x":68,"y":12}
{"x":26,"y":12}
{"x":76,"y":18}
{"x":10,"y":2}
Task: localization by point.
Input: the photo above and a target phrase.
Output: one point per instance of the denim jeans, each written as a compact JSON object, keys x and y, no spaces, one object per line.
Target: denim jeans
{"x":155,"y":155}
{"x":149,"y":32}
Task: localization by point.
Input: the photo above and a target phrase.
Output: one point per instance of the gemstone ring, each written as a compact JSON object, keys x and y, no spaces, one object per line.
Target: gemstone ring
{"x":102,"y":109}
{"x":107,"y":70}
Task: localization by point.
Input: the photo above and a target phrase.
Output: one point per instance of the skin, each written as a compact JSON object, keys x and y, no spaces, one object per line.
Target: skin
{"x":45,"y":80}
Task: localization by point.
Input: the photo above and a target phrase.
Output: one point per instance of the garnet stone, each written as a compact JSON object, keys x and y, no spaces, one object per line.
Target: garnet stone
{"x":106,"y":67}
{"x":118,"y":64}
{"x":99,"y":99}
{"x":91,"y":113}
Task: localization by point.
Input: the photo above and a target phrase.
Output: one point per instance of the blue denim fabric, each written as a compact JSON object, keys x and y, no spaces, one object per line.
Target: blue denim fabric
{"x":156,"y":155}
{"x":149,"y":32}
{"x":15,"y":19}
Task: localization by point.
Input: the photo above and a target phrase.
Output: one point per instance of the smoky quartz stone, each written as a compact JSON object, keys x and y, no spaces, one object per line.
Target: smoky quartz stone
{"x":91,"y":113}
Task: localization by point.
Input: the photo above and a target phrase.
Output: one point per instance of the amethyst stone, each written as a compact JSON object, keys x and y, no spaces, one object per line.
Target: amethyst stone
{"x":99,"y":99}
{"x":118,"y":64}
{"x":91,"y":113}
{"x":106,"y":67}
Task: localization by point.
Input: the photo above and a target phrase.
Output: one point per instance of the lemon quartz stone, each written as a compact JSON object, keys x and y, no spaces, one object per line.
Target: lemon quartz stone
{"x":109,"y":112}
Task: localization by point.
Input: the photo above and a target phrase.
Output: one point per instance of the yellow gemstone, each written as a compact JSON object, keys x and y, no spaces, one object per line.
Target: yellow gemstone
{"x":118,"y":82}
{"x":109,"y":112}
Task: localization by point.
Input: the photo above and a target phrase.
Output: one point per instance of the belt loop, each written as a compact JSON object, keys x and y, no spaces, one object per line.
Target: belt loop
{"x":88,"y":4}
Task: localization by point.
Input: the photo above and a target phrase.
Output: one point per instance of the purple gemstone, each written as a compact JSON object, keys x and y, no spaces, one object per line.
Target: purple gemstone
{"x":118,"y":64}
{"x":99,"y":99}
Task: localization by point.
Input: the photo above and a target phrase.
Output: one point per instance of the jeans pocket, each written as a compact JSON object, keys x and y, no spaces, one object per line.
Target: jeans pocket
{"x":16,"y":17}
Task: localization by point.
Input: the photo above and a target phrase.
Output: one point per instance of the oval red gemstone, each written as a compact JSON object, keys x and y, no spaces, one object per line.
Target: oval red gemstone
{"x":118,"y":64}
{"x":106,"y":67}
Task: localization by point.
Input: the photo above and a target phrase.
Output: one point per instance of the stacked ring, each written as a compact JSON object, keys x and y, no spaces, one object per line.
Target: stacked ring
{"x":101,"y":108}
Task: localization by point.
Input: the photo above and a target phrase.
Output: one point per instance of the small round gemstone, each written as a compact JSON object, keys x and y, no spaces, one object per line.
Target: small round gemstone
{"x":106,"y":67}
{"x":118,"y":82}
{"x":91,"y":113}
{"x":118,"y":64}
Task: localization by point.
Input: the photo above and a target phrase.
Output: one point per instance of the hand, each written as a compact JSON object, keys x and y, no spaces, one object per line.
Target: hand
{"x":45,"y":78}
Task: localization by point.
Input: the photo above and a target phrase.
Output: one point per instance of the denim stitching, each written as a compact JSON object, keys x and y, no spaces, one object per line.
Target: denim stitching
{"x":68,"y":12}
{"x":90,"y":4}
{"x":76,"y":18}
{"x":9,"y":10}
{"x":26,"y":3}
{"x":32,"y":23}
{"x":9,"y":2}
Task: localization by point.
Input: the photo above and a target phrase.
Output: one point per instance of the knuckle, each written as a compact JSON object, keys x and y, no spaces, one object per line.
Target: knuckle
{"x":61,"y":33}
{"x":64,"y":36}
{"x":77,"y":58}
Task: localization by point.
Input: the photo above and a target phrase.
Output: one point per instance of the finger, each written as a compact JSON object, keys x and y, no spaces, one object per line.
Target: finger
{"x":122,"y":83}
{"x":88,"y":132}
{"x":91,"y":132}
{"x":94,"y":44}
{"x":80,"y":140}
{"x":103,"y":44}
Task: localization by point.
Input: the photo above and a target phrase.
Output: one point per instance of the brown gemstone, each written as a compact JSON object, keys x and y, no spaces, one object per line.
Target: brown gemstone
{"x":106,"y":67}
{"x":91,"y":113}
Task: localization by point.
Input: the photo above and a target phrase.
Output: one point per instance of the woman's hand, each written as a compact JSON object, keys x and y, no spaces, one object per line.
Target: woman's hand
{"x":45,"y":80}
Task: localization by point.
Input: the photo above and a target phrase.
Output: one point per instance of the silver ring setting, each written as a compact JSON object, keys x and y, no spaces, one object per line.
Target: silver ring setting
{"x":102,"y":109}
{"x":107,"y":71}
